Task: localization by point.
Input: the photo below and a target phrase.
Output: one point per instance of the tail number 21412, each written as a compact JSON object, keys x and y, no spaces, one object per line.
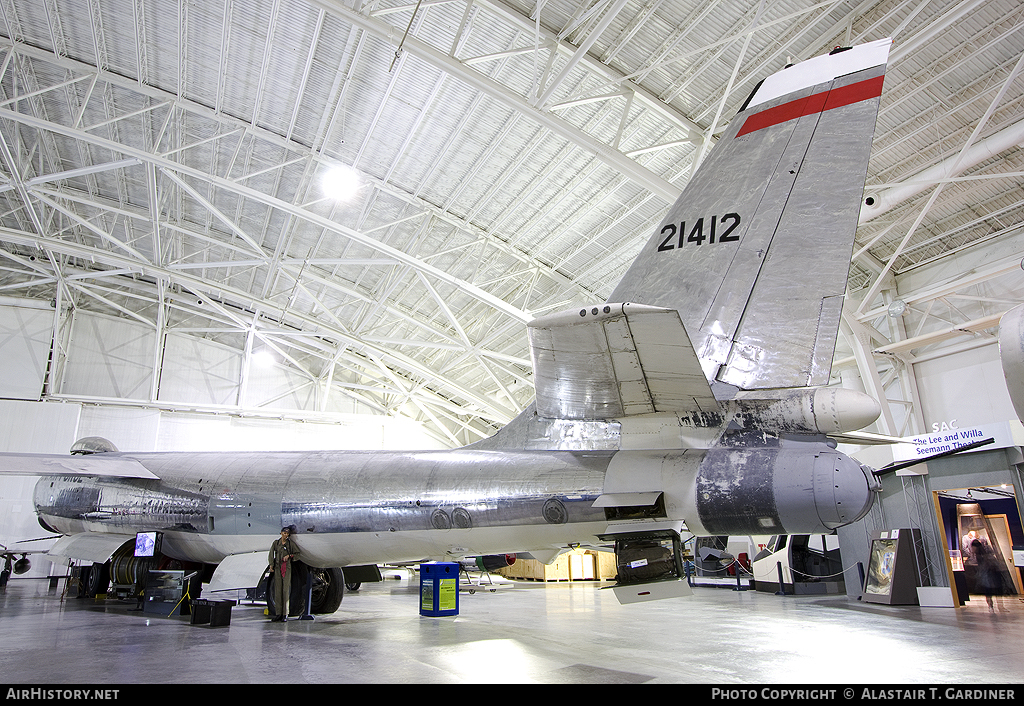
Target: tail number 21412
{"x":676,"y":235}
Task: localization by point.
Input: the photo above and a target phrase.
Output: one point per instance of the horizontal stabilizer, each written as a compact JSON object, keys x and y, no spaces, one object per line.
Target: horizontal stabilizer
{"x":616,"y":360}
{"x":106,"y":465}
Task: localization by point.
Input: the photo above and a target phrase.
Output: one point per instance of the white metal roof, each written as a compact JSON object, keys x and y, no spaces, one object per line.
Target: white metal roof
{"x":163,"y":162}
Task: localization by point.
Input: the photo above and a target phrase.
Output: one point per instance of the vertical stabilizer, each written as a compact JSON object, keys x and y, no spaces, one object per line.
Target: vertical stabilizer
{"x":755,"y":254}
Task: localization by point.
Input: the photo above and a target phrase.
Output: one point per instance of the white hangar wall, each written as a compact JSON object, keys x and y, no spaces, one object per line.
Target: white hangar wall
{"x":30,"y":427}
{"x":964,"y":389}
{"x":25,"y":332}
{"x":962,"y":378}
{"x":959,"y":390}
{"x":200,"y":402}
{"x":113,"y":358}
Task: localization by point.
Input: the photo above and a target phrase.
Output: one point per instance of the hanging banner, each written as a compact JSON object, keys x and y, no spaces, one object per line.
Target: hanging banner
{"x":1006,"y":434}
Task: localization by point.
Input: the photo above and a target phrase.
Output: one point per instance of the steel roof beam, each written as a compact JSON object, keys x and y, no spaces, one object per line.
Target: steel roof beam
{"x":964,"y":151}
{"x":236,"y":126}
{"x":581,"y":51}
{"x":273,"y":202}
{"x":84,"y":252}
{"x":424,"y":51}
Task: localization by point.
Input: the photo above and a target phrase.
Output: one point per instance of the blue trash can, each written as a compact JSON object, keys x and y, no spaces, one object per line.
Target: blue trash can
{"x":439,"y":589}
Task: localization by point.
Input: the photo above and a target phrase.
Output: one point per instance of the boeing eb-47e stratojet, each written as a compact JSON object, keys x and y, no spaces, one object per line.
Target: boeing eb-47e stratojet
{"x":692,"y":400}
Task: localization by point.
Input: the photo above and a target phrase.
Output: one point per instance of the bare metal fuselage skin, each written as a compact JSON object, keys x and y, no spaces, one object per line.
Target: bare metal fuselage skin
{"x":354,"y":508}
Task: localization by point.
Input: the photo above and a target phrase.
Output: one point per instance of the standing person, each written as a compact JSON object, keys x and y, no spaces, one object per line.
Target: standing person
{"x":990,"y":578}
{"x":282,"y":552}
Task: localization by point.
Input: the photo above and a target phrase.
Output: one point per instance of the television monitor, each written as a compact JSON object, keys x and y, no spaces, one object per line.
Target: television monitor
{"x":147,"y":543}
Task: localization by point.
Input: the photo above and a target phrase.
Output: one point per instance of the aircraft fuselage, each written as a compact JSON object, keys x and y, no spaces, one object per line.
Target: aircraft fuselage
{"x":353,"y":507}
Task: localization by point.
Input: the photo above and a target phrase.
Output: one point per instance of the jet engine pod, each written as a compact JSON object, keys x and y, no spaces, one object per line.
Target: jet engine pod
{"x":822,"y":410}
{"x":22,"y":565}
{"x":490,"y":562}
{"x":842,"y":490}
{"x":766,"y":490}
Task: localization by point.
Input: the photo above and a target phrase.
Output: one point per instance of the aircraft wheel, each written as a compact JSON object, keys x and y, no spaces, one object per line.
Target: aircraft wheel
{"x":271,"y":605}
{"x":354,"y":586}
{"x":328,"y":590}
{"x":99,"y":580}
{"x":296,"y":598}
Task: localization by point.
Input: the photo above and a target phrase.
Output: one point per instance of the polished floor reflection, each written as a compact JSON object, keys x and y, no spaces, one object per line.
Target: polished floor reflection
{"x":521,"y":633}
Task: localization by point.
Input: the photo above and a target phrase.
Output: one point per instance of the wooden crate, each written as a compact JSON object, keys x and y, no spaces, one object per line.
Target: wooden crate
{"x":557,"y":570}
{"x":577,"y":565}
{"x":605,"y":567}
{"x":581,"y":566}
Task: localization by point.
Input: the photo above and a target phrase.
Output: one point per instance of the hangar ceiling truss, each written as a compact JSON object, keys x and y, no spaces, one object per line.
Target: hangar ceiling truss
{"x":163,"y":163}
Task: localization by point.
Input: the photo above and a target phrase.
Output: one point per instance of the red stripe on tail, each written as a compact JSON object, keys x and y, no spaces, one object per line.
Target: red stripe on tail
{"x":814,"y":103}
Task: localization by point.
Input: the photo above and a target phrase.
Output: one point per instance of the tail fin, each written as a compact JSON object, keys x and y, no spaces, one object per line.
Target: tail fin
{"x":755,"y":254}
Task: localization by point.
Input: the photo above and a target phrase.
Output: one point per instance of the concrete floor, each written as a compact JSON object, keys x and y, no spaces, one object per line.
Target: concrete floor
{"x":523,"y":633}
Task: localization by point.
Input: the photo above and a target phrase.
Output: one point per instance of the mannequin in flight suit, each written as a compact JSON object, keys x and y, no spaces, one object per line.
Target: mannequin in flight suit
{"x":282,"y":552}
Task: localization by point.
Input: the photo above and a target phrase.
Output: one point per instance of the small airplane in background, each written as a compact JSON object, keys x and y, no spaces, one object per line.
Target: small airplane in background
{"x":14,"y":565}
{"x":692,"y":401}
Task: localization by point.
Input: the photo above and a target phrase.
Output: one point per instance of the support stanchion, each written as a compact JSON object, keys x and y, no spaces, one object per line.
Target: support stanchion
{"x":307,"y":615}
{"x":187,"y":582}
{"x":782,"y":586}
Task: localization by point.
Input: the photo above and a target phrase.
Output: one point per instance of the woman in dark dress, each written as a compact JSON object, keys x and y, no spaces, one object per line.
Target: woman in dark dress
{"x":989,"y":577}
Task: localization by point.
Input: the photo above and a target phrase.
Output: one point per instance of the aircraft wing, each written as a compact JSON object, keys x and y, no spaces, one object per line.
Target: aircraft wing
{"x":14,"y":551}
{"x":107,"y":465}
{"x":96,"y":547}
{"x":615,"y":360}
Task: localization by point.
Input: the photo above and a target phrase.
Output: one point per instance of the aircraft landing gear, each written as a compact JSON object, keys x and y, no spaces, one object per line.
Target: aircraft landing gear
{"x":328,"y":589}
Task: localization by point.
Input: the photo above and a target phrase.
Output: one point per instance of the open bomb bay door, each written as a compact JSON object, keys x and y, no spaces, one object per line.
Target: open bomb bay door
{"x":649,"y":558}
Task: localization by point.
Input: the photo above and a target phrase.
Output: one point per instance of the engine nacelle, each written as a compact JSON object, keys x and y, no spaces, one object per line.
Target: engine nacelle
{"x":490,"y":562}
{"x":22,"y":565}
{"x":822,"y":410}
{"x":743,"y":488}
{"x":782,"y":490}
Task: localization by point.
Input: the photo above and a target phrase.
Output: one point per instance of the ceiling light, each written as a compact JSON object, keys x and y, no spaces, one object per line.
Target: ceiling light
{"x":263,"y":359}
{"x":897,"y":307}
{"x":340,"y":182}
